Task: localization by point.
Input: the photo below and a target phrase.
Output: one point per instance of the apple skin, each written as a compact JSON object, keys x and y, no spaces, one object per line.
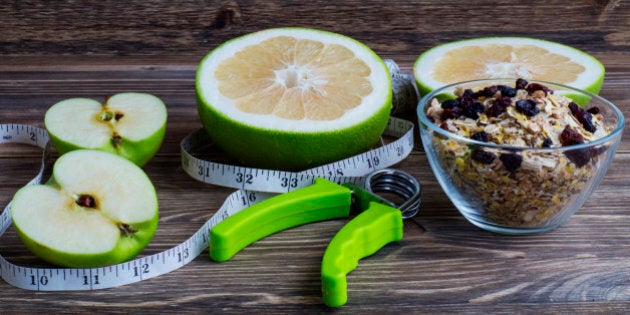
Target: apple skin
{"x":126,"y":247}
{"x":139,"y":151}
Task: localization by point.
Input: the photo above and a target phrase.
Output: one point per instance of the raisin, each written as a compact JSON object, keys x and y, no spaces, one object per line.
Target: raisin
{"x":464,"y":101}
{"x":473,"y":110}
{"x":498,"y":106}
{"x":532,"y":87}
{"x":507,"y":91}
{"x":527,"y":107}
{"x":480,"y":136}
{"x":453,"y":113}
{"x":444,"y":126}
{"x":511,"y":161}
{"x":593,"y":110}
{"x":568,"y":136}
{"x":505,"y":101}
{"x":495,"y":110}
{"x":547,"y":143}
{"x":579,"y":156}
{"x":467,"y":93}
{"x":488,"y":91}
{"x":584,"y":117}
{"x":482,"y":156}
{"x":521,"y":84}
{"x":450,"y":104}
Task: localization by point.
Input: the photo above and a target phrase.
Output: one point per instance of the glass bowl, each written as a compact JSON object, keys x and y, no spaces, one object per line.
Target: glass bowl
{"x":516,"y":189}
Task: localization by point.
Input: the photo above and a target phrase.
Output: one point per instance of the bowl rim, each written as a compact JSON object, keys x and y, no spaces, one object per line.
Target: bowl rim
{"x":425,"y":121}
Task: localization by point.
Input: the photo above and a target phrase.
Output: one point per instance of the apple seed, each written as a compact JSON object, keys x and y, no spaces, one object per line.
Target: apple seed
{"x":117,"y":140}
{"x":86,"y":201}
{"x":106,"y":116}
{"x":127,"y":230}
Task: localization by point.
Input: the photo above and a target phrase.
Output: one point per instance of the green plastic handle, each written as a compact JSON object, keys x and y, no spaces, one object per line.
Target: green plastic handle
{"x":361,"y":237}
{"x":323,"y":200}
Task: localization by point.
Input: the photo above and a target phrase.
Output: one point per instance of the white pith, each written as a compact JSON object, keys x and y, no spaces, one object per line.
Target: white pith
{"x":514,"y":68}
{"x":295,"y":75}
{"x":50,"y":215}
{"x":76,"y":120}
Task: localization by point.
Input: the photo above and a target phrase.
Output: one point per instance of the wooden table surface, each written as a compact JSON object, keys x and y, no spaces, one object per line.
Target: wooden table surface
{"x":55,"y":50}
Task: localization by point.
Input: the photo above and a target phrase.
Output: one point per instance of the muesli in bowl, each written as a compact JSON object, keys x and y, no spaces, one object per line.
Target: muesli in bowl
{"x":518,"y":157}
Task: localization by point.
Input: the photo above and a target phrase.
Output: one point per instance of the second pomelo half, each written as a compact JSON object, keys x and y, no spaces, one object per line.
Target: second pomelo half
{"x":507,"y":57}
{"x":293,"y":98}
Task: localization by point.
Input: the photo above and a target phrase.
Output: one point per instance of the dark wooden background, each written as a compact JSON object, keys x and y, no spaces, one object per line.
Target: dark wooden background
{"x":51,"y":50}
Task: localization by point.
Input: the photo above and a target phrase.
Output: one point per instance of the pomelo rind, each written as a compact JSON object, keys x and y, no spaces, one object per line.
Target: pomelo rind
{"x":594,"y":68}
{"x":270,"y":147}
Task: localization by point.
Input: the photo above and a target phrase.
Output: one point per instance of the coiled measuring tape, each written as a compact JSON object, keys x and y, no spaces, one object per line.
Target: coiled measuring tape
{"x":254,"y":185}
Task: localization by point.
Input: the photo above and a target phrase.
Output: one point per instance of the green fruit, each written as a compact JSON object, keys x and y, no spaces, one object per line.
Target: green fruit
{"x":98,"y":209}
{"x":131,"y":125}
{"x":293,"y":98}
{"x":507,"y":57}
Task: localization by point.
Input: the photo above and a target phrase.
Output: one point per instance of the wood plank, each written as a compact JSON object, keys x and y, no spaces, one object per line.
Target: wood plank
{"x":55,"y":50}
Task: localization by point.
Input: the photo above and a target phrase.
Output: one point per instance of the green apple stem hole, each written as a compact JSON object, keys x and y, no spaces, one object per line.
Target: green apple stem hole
{"x":116,"y":140}
{"x":86,"y":201}
{"x":127,"y":230}
{"x":108,"y":116}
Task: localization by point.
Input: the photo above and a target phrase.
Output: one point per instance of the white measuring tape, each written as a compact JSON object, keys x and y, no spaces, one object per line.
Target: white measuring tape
{"x":254,"y":185}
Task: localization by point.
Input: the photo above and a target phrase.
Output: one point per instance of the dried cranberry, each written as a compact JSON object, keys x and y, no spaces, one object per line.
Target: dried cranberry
{"x":453,"y":113}
{"x":527,"y":107}
{"x":532,"y":87}
{"x":450,"y":104}
{"x":444,"y":126}
{"x":568,"y":136}
{"x":521,"y":84}
{"x":584,"y":117}
{"x":511,"y":161}
{"x":473,"y":110}
{"x":593,"y":110}
{"x":547,"y":143}
{"x":480,"y":136}
{"x":482,"y":156}
{"x":507,"y":91}
{"x":578,"y":156}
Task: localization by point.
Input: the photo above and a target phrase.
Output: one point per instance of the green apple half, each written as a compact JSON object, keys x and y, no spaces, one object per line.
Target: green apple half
{"x":131,"y":125}
{"x":97,"y":209}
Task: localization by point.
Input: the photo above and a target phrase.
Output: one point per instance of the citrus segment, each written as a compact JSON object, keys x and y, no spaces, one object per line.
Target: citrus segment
{"x":280,"y":84}
{"x":507,"y":57}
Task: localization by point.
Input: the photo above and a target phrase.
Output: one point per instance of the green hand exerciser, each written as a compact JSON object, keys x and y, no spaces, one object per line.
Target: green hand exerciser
{"x":378,"y":223}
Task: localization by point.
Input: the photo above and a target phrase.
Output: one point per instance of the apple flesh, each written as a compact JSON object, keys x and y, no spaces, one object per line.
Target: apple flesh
{"x":97,"y":209}
{"x":131,"y":125}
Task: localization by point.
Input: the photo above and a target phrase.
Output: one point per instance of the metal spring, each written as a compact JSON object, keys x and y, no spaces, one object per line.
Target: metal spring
{"x":399,"y":183}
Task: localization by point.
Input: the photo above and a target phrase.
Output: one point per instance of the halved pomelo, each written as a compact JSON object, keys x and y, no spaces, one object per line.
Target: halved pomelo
{"x":293,"y":98}
{"x":507,"y":57}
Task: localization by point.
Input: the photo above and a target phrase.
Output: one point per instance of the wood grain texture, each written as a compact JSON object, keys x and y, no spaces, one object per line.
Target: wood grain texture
{"x":54,"y":50}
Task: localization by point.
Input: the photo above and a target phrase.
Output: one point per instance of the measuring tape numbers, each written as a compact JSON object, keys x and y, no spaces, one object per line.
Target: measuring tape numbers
{"x":253,"y":185}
